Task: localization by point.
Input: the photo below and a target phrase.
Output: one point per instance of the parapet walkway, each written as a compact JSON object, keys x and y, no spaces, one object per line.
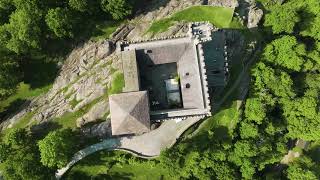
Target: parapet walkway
{"x":148,"y":145}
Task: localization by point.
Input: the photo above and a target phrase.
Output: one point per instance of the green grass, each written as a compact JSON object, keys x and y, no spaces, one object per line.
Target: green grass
{"x":22,"y":123}
{"x":117,"y":83}
{"x":105,"y":29}
{"x":236,"y":24}
{"x":24,"y":92}
{"x":227,"y":117}
{"x":221,"y":17}
{"x":141,"y":171}
{"x":68,"y":120}
{"x":74,"y":102}
{"x":111,"y":165}
{"x":67,"y":96}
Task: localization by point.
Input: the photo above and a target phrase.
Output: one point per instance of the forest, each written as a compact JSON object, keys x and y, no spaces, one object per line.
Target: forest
{"x":282,"y":105}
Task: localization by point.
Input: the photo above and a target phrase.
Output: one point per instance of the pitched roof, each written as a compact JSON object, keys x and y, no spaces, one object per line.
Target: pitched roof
{"x":130,"y":113}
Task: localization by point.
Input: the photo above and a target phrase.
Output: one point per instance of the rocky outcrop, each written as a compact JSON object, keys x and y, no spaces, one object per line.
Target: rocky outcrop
{"x":249,"y":13}
{"x":83,"y":79}
{"x":224,"y":3}
{"x":254,"y":16}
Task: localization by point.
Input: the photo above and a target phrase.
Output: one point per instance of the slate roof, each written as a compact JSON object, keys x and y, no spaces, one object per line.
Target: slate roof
{"x":130,"y":113}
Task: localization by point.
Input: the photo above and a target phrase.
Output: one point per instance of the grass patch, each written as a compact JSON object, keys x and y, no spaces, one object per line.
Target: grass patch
{"x":74,"y":102}
{"x":221,"y":17}
{"x":23,"y":93}
{"x":105,"y":29}
{"x":117,"y":83}
{"x":116,"y":165}
{"x":68,"y":120}
{"x":236,"y":24}
{"x":227,"y":117}
{"x":67,"y":96}
{"x":141,"y":171}
{"x":22,"y":123}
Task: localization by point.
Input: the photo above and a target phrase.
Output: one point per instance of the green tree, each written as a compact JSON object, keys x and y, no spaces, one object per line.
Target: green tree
{"x":255,"y":110}
{"x":268,"y":82}
{"x":312,"y":85}
{"x":61,"y":22}
{"x":9,"y":76}
{"x":312,"y":30}
{"x":243,"y":149}
{"x":79,"y":5}
{"x":282,"y":18}
{"x":20,"y":157}
{"x":311,"y":18}
{"x":119,"y":9}
{"x":247,"y":169}
{"x":248,"y":130}
{"x":285,"y":52}
{"x":6,"y":9}
{"x":4,"y":151}
{"x":303,"y":118}
{"x":303,"y":168}
{"x":57,"y":148}
{"x":24,"y":30}
{"x":17,"y":137}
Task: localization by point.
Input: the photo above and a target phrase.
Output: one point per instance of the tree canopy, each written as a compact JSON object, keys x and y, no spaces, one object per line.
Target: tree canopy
{"x":57,"y":148}
{"x":117,"y":8}
{"x":9,"y":76}
{"x":60,"y":21}
{"x":20,"y":157}
{"x":282,"y":18}
{"x":286,"y":52}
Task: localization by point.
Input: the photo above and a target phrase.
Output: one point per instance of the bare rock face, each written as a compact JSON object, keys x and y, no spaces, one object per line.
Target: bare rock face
{"x":254,"y":16}
{"x":80,"y":60}
{"x":84,"y":78}
{"x":224,"y":3}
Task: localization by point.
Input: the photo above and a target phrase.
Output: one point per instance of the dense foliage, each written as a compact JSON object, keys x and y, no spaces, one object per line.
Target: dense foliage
{"x":57,"y":148}
{"x":20,"y":158}
{"x":9,"y":75}
{"x":30,"y":29}
{"x":23,"y":156}
{"x":283,"y":105}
